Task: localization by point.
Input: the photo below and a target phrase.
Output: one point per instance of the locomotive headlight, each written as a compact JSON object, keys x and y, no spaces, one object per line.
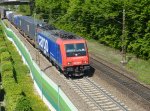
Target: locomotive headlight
{"x":69,"y":63}
{"x":84,"y":62}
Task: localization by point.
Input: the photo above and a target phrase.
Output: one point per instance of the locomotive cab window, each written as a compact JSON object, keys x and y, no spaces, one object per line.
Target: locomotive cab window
{"x":73,"y":50}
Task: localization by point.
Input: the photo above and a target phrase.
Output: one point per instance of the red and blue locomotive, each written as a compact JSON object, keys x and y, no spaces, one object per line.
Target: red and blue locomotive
{"x":68,"y":52}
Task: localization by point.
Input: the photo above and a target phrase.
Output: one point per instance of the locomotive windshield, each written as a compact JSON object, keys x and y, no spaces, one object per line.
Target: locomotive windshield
{"x":73,"y":50}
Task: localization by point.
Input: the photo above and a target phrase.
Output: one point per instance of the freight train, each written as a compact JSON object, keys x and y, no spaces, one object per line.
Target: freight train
{"x":67,"y":51}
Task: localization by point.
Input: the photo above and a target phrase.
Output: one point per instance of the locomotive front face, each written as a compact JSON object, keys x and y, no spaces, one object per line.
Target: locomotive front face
{"x":76,"y":54}
{"x":77,"y":59}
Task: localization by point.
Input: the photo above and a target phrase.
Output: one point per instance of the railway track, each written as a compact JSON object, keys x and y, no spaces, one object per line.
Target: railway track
{"x":95,"y":96}
{"x":130,"y":84}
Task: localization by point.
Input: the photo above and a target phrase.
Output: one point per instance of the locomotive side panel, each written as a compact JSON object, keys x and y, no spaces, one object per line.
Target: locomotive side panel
{"x":49,"y":48}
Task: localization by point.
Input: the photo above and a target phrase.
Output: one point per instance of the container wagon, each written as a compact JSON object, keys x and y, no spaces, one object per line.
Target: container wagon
{"x":28,"y":25}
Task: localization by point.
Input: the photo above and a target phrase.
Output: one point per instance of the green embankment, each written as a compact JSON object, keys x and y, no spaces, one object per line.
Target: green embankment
{"x":139,"y":67}
{"x":18,"y":86}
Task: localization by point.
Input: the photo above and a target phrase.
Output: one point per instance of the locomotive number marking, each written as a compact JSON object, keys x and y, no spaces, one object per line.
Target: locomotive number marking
{"x":43,"y":43}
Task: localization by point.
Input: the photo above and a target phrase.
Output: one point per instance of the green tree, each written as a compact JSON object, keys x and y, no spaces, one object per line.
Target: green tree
{"x":102,"y":20}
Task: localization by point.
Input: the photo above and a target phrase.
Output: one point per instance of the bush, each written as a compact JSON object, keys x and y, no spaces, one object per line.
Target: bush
{"x":7,"y":79}
{"x":17,"y":59}
{"x":5,"y":56}
{"x":3,"y":49}
{"x":21,"y":68}
{"x":2,"y":43}
{"x":23,"y":104}
{"x":8,"y":43}
{"x":10,"y":101}
{"x":6,"y":66}
{"x":12,"y":47}
{"x":16,"y":79}
{"x":12,"y":89}
{"x":15,"y":56}
{"x":1,"y":39}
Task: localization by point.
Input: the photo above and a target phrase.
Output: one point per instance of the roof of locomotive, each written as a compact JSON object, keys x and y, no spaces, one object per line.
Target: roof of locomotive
{"x":56,"y":34}
{"x":65,"y":35}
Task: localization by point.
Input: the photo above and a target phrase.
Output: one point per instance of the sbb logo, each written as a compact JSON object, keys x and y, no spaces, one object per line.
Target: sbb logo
{"x":43,"y":43}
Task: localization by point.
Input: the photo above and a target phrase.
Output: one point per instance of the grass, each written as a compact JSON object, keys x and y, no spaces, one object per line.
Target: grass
{"x":139,"y":67}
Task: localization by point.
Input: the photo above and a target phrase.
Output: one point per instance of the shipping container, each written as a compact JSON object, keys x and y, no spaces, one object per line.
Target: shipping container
{"x":16,"y":20}
{"x":28,"y":25}
{"x":7,"y":14}
{"x":10,"y":17}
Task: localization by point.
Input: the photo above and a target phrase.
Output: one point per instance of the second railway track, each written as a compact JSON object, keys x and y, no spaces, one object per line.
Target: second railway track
{"x":125,"y":81}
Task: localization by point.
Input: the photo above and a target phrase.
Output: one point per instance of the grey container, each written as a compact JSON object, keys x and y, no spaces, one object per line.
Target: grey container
{"x":28,"y":25}
{"x":10,"y":17}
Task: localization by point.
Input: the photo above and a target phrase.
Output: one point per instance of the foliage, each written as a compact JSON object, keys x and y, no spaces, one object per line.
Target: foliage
{"x":102,"y":20}
{"x":2,"y":43}
{"x":5,"y":56}
{"x":25,"y":9}
{"x":2,"y":49}
{"x":11,"y":88}
{"x":21,"y":68}
{"x":15,"y":56}
{"x":23,"y":104}
{"x":17,"y":83}
{"x":6,"y":66}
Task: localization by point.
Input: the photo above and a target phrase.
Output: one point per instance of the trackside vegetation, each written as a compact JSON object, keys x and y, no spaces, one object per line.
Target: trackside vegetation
{"x":140,"y":69}
{"x":20,"y":94}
